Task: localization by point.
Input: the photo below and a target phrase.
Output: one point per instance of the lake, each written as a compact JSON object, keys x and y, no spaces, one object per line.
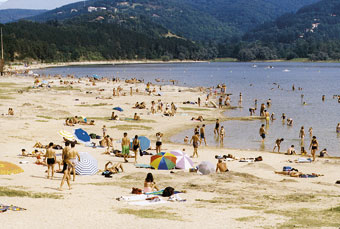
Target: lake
{"x":254,"y":80}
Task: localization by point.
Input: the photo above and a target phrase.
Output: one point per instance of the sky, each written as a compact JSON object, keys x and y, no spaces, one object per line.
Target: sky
{"x":34,"y":4}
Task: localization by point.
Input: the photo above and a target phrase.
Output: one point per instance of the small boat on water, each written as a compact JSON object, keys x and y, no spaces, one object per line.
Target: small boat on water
{"x":286,"y":70}
{"x":254,"y":66}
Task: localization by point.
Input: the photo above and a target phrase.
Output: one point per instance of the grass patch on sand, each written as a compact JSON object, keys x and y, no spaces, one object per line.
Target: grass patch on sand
{"x":298,"y":197}
{"x":131,"y":127}
{"x":249,"y":218}
{"x":194,"y":109}
{"x":41,"y":120}
{"x":307,"y":218}
{"x":69,"y":88}
{"x":45,"y":117}
{"x":96,"y":118}
{"x":151,"y":214}
{"x":6,"y":97}
{"x":4,"y":191}
{"x":93,"y":105}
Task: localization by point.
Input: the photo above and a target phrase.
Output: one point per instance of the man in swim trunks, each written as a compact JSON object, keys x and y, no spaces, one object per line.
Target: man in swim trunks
{"x":125,"y":147}
{"x":222,"y":134}
{"x":64,"y":155}
{"x":220,"y":100}
{"x":72,"y":159}
{"x":262,"y":133}
{"x":217,"y":127}
{"x":194,"y":140}
{"x":221,"y":166}
{"x":50,"y":159}
{"x":202,"y":132}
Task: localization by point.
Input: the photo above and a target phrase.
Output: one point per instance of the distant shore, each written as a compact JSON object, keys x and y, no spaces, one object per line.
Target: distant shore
{"x":33,"y":66}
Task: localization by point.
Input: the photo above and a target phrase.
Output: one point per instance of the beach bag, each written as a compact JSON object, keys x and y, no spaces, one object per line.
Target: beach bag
{"x":140,"y":152}
{"x":93,"y":136}
{"x":168,"y":191}
{"x":287,"y":168}
{"x":136,"y":191}
{"x":337,"y":182}
{"x":259,"y":158}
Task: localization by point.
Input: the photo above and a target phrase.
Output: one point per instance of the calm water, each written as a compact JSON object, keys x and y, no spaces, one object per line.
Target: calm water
{"x":316,"y":79}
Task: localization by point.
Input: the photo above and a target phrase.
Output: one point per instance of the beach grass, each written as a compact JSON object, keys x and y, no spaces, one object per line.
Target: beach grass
{"x":194,"y":109}
{"x":151,"y":214}
{"x":7,"y":84}
{"x":5,"y":97}
{"x":45,"y":117}
{"x":69,"y":88}
{"x":41,"y":120}
{"x":131,"y":127}
{"x":140,"y":121}
{"x":4,"y":191}
{"x":93,"y":105}
{"x":97,"y":118}
{"x":249,"y":218}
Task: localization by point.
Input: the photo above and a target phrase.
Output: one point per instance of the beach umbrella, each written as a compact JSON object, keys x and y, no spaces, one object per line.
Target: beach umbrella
{"x":144,"y":143}
{"x":163,"y":161}
{"x":117,"y":109}
{"x":7,"y":168}
{"x":183,"y":160}
{"x":82,"y":135}
{"x":95,"y":76}
{"x":87,"y":165}
{"x":84,"y":118}
{"x":67,"y":135}
{"x":206,"y":167}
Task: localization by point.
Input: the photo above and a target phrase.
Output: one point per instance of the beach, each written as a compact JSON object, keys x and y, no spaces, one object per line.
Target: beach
{"x":249,"y":195}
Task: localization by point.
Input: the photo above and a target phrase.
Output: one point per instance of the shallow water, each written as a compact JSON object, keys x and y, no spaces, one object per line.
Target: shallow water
{"x":316,"y":79}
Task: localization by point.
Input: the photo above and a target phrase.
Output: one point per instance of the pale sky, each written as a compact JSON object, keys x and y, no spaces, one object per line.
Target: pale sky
{"x":34,"y":4}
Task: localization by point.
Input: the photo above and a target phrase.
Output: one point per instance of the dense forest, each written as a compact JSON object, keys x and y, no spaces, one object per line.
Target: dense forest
{"x":93,"y":41}
{"x":12,"y":15}
{"x":179,"y":29}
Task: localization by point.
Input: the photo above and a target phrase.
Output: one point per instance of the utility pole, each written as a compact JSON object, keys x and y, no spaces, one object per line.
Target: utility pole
{"x":2,"y":60}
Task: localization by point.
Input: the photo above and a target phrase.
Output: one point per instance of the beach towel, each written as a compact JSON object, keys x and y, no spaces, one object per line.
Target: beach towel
{"x":145,"y":166}
{"x":148,"y":202}
{"x":4,"y":208}
{"x":303,"y":160}
{"x":247,"y":160}
{"x":136,"y":197}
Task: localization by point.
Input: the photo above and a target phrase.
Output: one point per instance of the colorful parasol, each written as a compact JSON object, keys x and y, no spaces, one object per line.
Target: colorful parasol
{"x":67,"y":135}
{"x":7,"y":168}
{"x":163,"y":161}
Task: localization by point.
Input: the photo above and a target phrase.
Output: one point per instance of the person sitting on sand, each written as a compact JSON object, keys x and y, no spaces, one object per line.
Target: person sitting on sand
{"x":68,"y":122}
{"x":303,"y":151}
{"x":323,"y":153}
{"x":38,"y":145}
{"x":23,"y":153}
{"x":113,"y":116}
{"x":221,"y":166}
{"x":10,"y":111}
{"x":115,"y":168}
{"x":291,"y":150}
{"x":136,"y":105}
{"x":338,"y":128}
{"x":136,"y":117}
{"x":142,"y":105}
{"x":149,"y":184}
{"x":39,"y":162}
{"x":166,"y":112}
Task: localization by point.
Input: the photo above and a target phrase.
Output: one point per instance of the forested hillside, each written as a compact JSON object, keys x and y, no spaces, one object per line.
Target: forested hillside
{"x":11,"y":15}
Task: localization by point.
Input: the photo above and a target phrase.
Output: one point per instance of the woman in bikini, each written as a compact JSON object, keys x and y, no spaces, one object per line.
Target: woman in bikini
{"x":149,"y":184}
{"x":314,"y":145}
{"x":135,"y":147}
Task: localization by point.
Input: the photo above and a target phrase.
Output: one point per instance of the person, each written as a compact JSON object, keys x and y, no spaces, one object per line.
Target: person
{"x":262,"y":132}
{"x":293,"y":88}
{"x":310,"y":132}
{"x":50,"y":159}
{"x":202,"y":133}
{"x":278,"y":144}
{"x":302,"y":133}
{"x":272,"y":117}
{"x":314,"y":145}
{"x":323,"y":98}
{"x":135,"y":147}
{"x":23,"y":153}
{"x":222,"y":134}
{"x":194,"y":140}
{"x":338,"y":128}
{"x":72,"y":158}
{"x":199,"y":101}
{"x":149,"y":184}
{"x":291,"y":150}
{"x":166,"y":112}
{"x":136,"y":117}
{"x":104,"y":130}
{"x":153,"y":109}
{"x":125,"y":146}
{"x":10,"y":111}
{"x":221,"y":166}
{"x":64,"y":154}
{"x":114,"y":168}
{"x":113,"y":116}
{"x":130,"y":91}
{"x":199,"y":118}
{"x":252,"y":111}
{"x":240,"y":100}
{"x":267,"y":116}
{"x":283,"y":117}
{"x":159,"y":136}
{"x":220,"y":99}
{"x":323,"y":153}
{"x":303,"y":151}
{"x":67,"y":175}
{"x":269,"y":103}
{"x":217,"y":127}
{"x":262,"y":108}
{"x":290,"y":122}
{"x":302,"y":95}
{"x":186,"y":140}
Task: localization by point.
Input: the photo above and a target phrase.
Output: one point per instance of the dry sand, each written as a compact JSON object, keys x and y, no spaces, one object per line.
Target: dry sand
{"x":248,"y":196}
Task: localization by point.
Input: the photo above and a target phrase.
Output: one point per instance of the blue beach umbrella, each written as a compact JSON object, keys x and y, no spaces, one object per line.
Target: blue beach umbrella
{"x":82,"y":135}
{"x":87,"y":165}
{"x":144,"y":142}
{"x":95,"y":76}
{"x":118,"y":109}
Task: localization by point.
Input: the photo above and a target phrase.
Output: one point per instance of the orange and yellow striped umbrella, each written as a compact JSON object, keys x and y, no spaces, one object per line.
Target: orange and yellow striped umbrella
{"x":7,"y":168}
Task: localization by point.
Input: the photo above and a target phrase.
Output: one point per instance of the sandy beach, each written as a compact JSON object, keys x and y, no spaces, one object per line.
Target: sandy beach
{"x":249,"y":195}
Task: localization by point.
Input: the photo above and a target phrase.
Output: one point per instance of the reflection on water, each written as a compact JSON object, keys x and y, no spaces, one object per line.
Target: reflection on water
{"x":305,"y":106}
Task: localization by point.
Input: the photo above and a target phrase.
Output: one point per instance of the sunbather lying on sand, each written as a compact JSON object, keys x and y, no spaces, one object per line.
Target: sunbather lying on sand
{"x":199,"y":118}
{"x":295,"y":173}
{"x":39,"y":145}
{"x":115,"y":168}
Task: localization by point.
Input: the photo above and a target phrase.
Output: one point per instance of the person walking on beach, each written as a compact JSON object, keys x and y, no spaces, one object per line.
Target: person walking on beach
{"x":135,"y":147}
{"x":202,"y":133}
{"x":262,"y":132}
{"x":199,"y":101}
{"x":51,"y":159}
{"x":104,"y":131}
{"x":125,"y":146}
{"x":159,"y":136}
{"x":64,"y":154}
{"x":195,"y":140}
{"x":67,"y":173}
{"x":314,"y":145}
{"x":72,"y":157}
{"x":278,"y":144}
{"x":222,"y":134}
{"x":217,"y":127}
{"x":310,"y":132}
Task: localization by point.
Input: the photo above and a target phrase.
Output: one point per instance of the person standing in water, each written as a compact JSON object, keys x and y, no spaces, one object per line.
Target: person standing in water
{"x":240,"y":100}
{"x":262,"y":109}
{"x":314,"y":145}
{"x":202,"y":132}
{"x":302,"y":133}
{"x":217,"y":127}
{"x":267,"y":116}
{"x":222,"y":134}
{"x":323,"y":98}
{"x":262,"y":133}
{"x":195,"y":140}
{"x":283,"y":117}
{"x":310,"y":132}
